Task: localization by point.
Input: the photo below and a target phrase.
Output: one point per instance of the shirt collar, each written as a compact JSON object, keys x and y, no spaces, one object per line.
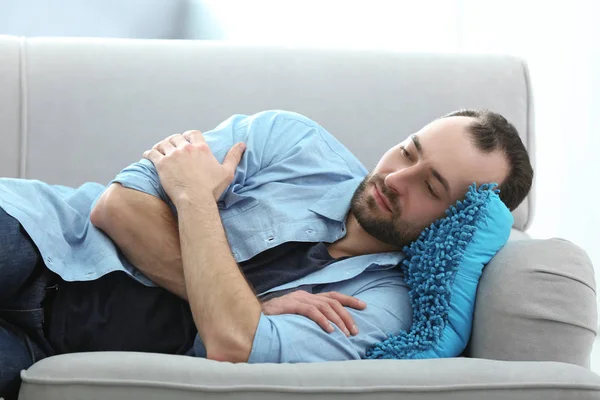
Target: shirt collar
{"x":335,"y":203}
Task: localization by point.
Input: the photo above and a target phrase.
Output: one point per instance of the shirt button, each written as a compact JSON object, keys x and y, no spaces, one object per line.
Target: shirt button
{"x":271,"y":238}
{"x":310,"y":231}
{"x":49,"y":260}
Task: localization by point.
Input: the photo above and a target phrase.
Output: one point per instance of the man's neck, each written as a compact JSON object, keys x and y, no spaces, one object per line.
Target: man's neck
{"x":357,"y":242}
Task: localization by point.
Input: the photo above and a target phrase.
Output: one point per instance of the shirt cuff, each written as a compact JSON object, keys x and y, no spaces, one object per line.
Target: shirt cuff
{"x":142,"y":176}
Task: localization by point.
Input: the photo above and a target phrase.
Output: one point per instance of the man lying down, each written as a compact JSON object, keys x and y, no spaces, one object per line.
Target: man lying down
{"x":263,"y":240}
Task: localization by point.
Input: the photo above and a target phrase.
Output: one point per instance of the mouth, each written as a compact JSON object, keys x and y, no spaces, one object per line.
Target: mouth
{"x":381,"y":200}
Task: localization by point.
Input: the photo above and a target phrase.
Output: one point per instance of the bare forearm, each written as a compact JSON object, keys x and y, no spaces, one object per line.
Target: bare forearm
{"x":145,"y":230}
{"x":225,"y":309}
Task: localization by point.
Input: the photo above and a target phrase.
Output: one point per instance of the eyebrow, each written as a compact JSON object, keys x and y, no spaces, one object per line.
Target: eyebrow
{"x":434,"y":171}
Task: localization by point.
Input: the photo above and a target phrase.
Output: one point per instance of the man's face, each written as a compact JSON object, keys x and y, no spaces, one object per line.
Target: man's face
{"x":418,"y":179}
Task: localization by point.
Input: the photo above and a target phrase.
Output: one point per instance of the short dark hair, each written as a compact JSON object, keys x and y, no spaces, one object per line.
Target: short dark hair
{"x":490,"y":132}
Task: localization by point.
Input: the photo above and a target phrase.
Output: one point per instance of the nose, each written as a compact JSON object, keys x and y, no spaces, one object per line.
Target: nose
{"x":401,"y":180}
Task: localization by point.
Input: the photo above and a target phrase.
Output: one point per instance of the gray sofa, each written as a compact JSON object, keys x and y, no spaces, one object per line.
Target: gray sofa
{"x":77,"y":110}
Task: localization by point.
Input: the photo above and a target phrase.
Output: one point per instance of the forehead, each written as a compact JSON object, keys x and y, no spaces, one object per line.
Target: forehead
{"x":449,"y":148}
{"x":450,"y":127}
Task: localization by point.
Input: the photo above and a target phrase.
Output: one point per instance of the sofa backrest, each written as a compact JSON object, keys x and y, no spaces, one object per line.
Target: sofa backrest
{"x":75,"y":110}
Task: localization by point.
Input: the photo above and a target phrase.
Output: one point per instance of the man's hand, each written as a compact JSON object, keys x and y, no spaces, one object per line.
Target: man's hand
{"x":186,"y":165}
{"x":321,"y":308}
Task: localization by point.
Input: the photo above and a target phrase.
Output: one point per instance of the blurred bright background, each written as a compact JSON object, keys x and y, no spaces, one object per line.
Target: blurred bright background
{"x":559,"y":41}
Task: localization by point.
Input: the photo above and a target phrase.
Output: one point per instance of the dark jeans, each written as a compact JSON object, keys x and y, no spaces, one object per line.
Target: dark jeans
{"x":24,"y":282}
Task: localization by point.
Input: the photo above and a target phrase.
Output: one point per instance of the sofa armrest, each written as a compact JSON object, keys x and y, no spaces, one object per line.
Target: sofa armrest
{"x":536,"y":301}
{"x":117,"y":375}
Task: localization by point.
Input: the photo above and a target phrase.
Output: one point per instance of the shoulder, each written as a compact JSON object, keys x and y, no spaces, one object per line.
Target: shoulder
{"x":277,"y":122}
{"x":298,"y":128}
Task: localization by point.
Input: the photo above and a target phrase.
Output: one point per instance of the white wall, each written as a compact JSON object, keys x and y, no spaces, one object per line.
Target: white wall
{"x":560,"y":42}
{"x":94,"y":18}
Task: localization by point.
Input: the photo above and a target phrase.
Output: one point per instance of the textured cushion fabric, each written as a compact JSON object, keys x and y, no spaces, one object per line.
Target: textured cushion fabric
{"x":536,"y":301}
{"x":442,"y":268}
{"x":144,"y":376}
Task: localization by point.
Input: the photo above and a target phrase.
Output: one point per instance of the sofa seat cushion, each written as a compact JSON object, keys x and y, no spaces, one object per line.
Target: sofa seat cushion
{"x":147,"y":376}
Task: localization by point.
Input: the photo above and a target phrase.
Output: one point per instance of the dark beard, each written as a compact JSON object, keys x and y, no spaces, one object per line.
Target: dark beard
{"x":364,"y":207}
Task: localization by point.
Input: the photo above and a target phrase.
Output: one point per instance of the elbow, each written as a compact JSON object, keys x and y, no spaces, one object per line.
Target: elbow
{"x":224,"y":343}
{"x":228,"y":355}
{"x":98,"y":214}
{"x":103,"y":209}
{"x":229,"y":351}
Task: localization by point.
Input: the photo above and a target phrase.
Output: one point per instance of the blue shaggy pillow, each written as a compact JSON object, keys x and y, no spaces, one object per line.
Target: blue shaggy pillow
{"x":442,"y":268}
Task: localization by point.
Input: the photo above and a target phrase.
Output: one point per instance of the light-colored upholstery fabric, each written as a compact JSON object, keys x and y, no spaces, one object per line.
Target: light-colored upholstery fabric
{"x":120,"y":96}
{"x":10,"y":106}
{"x":516,"y":234}
{"x":82,"y":109}
{"x":143,"y":376}
{"x":536,"y":301}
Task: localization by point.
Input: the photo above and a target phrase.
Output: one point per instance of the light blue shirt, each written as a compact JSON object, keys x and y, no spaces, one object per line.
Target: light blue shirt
{"x":294,"y":183}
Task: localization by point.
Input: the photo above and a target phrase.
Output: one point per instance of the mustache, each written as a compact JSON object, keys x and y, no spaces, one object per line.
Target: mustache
{"x":391,"y":196}
{"x":388,"y":193}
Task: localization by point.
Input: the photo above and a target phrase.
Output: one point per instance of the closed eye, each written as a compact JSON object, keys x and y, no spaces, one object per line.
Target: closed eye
{"x":404,"y":152}
{"x":430,"y":188}
{"x":435,"y":173}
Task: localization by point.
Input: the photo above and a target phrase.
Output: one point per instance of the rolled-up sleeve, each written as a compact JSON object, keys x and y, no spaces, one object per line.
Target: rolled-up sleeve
{"x":291,"y":338}
{"x":142,"y":176}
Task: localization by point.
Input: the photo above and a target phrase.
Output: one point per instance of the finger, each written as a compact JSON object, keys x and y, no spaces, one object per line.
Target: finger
{"x":346,"y":300}
{"x":312,"y":312}
{"x":324,"y":305}
{"x":344,"y":315}
{"x":165,"y":147}
{"x":234,"y":156}
{"x":168,"y":138}
{"x":334,"y":316}
{"x":194,"y":137}
{"x":178,"y":140}
{"x":153,"y":155}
